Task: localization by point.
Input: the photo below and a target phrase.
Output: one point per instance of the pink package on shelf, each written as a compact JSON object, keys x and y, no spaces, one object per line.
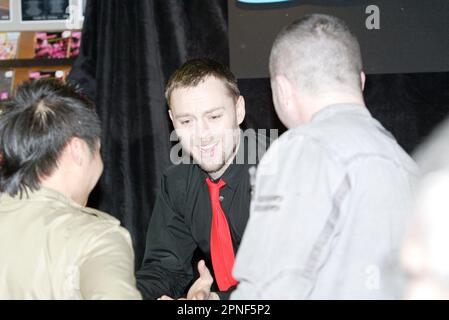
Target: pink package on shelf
{"x":51,"y":45}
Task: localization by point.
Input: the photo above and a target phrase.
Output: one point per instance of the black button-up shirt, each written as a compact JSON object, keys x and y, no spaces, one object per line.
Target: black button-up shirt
{"x":181,"y":221}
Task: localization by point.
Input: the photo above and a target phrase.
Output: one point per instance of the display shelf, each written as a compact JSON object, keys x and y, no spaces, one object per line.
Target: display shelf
{"x":25,"y":63}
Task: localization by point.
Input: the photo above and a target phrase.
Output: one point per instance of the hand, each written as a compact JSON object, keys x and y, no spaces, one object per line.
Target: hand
{"x":200,"y":289}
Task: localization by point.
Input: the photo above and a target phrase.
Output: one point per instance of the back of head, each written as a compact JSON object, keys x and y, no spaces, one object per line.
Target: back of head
{"x":195,"y":71}
{"x":36,"y":125}
{"x":318,"y":53}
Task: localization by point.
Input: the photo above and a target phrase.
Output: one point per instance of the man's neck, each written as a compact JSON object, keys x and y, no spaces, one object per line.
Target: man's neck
{"x":61,"y":186}
{"x":315,"y":104}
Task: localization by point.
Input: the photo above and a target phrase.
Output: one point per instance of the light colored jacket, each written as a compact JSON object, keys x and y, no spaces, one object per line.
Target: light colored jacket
{"x":332,"y":202}
{"x":53,"y":248}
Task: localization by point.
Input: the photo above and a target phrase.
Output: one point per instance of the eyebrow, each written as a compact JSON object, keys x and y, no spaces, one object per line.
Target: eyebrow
{"x":214,"y":110}
{"x":183,"y":115}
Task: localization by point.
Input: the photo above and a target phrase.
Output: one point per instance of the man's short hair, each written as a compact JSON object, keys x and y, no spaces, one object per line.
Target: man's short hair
{"x":317,"y":52}
{"x":195,"y":71}
{"x":36,"y":125}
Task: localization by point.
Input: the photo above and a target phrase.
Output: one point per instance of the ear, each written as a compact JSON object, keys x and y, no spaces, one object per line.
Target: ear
{"x":362,"y":79}
{"x":282,"y":90}
{"x":240,"y":110}
{"x":171,"y":115}
{"x":75,"y":150}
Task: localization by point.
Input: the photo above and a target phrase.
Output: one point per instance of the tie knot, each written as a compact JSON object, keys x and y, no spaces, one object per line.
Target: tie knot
{"x":215,"y":186}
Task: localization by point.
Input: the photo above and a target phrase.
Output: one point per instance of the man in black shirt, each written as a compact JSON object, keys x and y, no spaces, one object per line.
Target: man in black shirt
{"x":205,"y":204}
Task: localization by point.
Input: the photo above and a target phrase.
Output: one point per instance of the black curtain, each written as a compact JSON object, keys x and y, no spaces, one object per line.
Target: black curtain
{"x":130,"y":48}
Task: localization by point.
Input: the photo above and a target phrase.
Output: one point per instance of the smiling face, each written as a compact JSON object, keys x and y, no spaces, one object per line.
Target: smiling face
{"x":206,"y":119}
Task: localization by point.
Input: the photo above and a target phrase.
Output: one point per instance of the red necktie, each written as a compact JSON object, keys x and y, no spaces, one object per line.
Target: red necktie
{"x":221,"y":249}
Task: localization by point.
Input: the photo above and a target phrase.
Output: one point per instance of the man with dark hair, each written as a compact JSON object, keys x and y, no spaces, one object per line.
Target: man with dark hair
{"x":205,"y":204}
{"x":332,"y":195}
{"x":51,"y":245}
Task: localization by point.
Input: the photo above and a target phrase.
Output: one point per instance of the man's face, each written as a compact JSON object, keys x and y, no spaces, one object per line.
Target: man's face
{"x":206,"y":119}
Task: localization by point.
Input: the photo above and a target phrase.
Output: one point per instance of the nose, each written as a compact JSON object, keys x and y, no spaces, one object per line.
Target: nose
{"x":203,"y":125}
{"x":203,"y":131}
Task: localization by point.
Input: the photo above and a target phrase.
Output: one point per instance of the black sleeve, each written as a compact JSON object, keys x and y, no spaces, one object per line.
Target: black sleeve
{"x":166,"y":267}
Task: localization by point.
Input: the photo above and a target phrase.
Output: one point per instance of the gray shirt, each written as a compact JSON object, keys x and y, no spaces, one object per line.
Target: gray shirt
{"x":331,"y":204}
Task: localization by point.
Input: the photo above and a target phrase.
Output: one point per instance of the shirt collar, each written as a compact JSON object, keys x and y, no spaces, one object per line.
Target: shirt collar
{"x":43,"y":194}
{"x":339,"y":109}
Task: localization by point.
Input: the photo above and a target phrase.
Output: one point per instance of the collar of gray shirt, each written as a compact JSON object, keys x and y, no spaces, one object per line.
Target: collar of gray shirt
{"x":340,"y":108}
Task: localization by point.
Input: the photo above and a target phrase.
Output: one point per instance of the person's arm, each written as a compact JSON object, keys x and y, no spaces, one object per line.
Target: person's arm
{"x":166,"y":267}
{"x":107,"y":271}
{"x":292,"y":221}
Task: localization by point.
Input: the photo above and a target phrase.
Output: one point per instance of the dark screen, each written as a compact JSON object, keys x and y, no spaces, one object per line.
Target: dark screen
{"x":413,"y":35}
